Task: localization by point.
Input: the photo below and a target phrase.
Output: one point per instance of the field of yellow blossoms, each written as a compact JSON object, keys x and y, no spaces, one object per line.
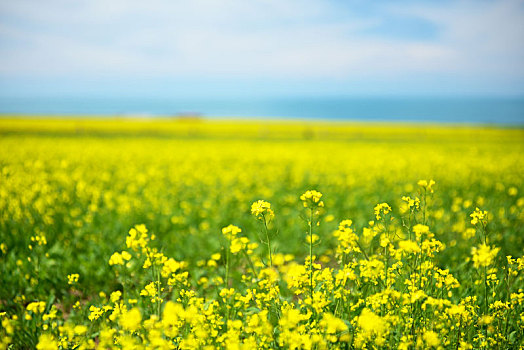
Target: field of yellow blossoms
{"x":193,"y":234}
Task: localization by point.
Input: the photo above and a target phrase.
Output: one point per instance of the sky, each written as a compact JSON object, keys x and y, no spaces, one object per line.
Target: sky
{"x":210,"y":48}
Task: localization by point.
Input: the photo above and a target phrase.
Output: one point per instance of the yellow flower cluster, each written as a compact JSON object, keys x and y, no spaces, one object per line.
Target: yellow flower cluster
{"x":381,"y":209}
{"x":484,"y":255}
{"x":36,"y":307}
{"x":39,"y":239}
{"x":231,"y":231}
{"x":347,"y":238}
{"x":479,"y":216}
{"x":72,"y":278}
{"x":119,"y":258}
{"x":138,"y":238}
{"x":311,"y":199}
{"x":426,"y":185}
{"x":262,"y":210}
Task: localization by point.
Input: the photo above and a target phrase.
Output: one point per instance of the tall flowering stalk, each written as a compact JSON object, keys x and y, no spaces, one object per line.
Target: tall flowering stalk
{"x":425,"y":186}
{"x":483,"y":255}
{"x":311,"y":200}
{"x":263,"y":212}
{"x":230,"y":232}
{"x":381,"y":211}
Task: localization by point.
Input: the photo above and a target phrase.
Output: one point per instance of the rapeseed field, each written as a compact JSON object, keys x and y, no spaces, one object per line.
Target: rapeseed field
{"x":193,"y":234}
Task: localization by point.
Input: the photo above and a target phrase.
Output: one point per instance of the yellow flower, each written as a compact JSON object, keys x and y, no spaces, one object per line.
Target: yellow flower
{"x":116,"y":259}
{"x":409,"y":246}
{"x":427,"y":185}
{"x":137,"y":238}
{"x":231,"y":231}
{"x":36,"y":307}
{"x":126,"y":256}
{"x":420,"y":229}
{"x":486,"y":320}
{"x":381,"y":209}
{"x":72,"y":278}
{"x":262,"y":209}
{"x":130,"y":320}
{"x":51,"y":315}
{"x":332,"y":324}
{"x":39,"y":239}
{"x":431,"y":339}
{"x":311,"y":199}
{"x":237,"y":244}
{"x":484,"y":255}
{"x":412,"y":203}
{"x":47,"y":342}
{"x":149,"y":290}
{"x":478,"y":215}
{"x":468,"y":233}
{"x":312,"y":239}
{"x":115,"y":296}
{"x":291,"y":318}
{"x":80,"y":330}
{"x":370,"y":323}
{"x":95,"y":313}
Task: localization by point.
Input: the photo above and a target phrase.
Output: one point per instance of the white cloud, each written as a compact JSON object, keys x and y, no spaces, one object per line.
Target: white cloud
{"x":270,"y":38}
{"x":486,"y":36}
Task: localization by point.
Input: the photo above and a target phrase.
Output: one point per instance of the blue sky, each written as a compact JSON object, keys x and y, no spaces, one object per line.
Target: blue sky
{"x":198,"y":48}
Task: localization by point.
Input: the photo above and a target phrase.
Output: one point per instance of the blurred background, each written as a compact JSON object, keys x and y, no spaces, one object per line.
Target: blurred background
{"x":443,"y":61}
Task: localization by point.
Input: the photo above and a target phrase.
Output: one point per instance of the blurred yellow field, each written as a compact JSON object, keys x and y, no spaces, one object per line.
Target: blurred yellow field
{"x":419,"y":264}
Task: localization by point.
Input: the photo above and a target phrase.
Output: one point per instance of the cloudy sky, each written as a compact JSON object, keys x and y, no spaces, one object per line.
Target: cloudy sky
{"x":268,"y":47}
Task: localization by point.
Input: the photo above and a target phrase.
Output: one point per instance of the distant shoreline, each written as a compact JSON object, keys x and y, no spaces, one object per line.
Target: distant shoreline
{"x":451,"y":110}
{"x":130,"y":118}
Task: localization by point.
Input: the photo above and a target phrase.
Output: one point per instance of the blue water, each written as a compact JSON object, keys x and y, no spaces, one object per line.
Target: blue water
{"x":449,"y":110}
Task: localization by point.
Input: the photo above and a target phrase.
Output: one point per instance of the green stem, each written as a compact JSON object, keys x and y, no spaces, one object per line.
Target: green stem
{"x":507,"y":311}
{"x":458,"y":335}
{"x":158,"y":302}
{"x":425,"y":205}
{"x":485,"y":291}
{"x":311,"y":251}
{"x":227,"y":264}
{"x":124,"y":282}
{"x":250,"y":262}
{"x":268,"y":242}
{"x":386,"y":264}
{"x":386,"y":253}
